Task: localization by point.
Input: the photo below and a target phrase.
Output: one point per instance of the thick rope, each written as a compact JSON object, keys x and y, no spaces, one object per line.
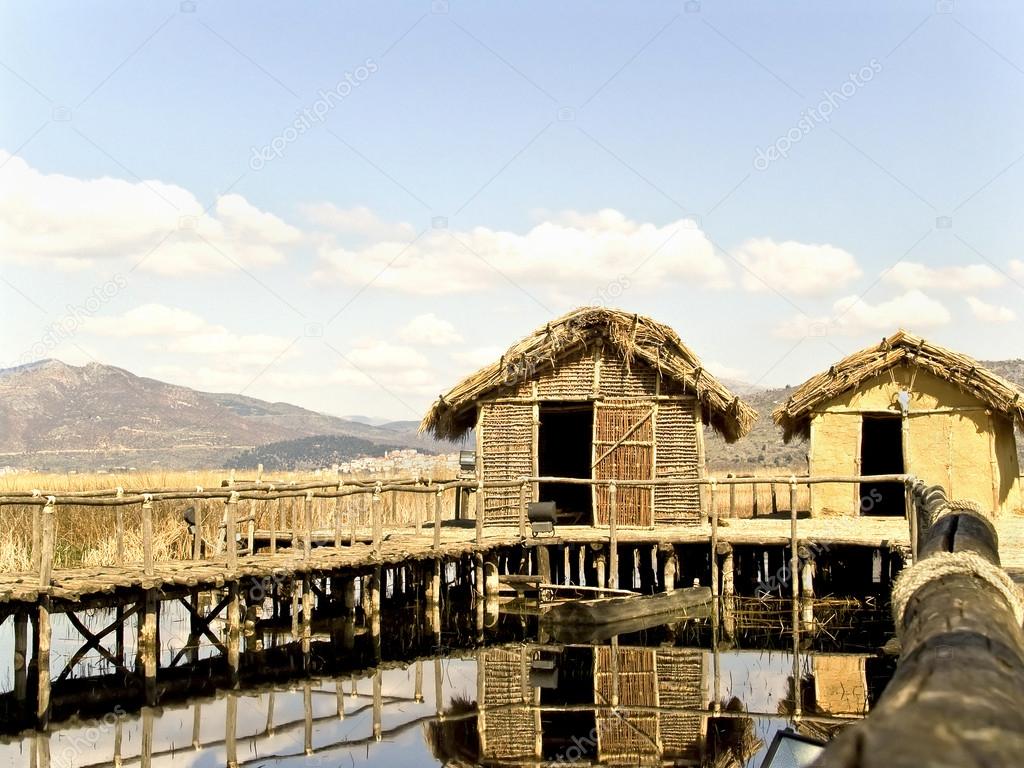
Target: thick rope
{"x":944,"y":564}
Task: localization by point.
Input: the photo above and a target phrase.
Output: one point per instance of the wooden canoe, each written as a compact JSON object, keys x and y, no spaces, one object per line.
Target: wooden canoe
{"x":608,"y":610}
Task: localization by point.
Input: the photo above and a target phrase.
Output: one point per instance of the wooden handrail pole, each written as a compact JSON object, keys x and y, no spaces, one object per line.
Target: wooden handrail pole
{"x":230,"y":518}
{"x":307,"y":525}
{"x":147,"y":536}
{"x":377,"y":513}
{"x":47,"y":534}
{"x":523,"y":490}
{"x":479,"y":512}
{"x":337,"y":519}
{"x":714,"y":539}
{"x":794,"y":556}
{"x":613,"y":536}
{"x":119,"y":528}
{"x":438,"y":509}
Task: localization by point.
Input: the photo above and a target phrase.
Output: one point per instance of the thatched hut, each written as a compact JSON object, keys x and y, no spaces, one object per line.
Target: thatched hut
{"x":596,"y":394}
{"x":907,"y":405}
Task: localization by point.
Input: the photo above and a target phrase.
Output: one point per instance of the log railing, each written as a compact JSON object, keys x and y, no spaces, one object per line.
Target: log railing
{"x":241,"y":501}
{"x":957,"y":697}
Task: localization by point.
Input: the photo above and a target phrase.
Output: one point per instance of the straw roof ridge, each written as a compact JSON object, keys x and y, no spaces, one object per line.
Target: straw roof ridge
{"x":633,"y":336}
{"x":902,"y":348}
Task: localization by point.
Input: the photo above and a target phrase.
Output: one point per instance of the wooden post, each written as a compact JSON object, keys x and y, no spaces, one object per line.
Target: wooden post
{"x":20,"y":656}
{"x":147,"y":535}
{"x":307,"y":615}
{"x":523,"y":501}
{"x":794,"y":555}
{"x":480,"y":512}
{"x":275,"y":511}
{"x":613,"y":537}
{"x":42,"y":644}
{"x":307,"y":525}
{"x":47,"y":534}
{"x":714,"y":540}
{"x":337,"y":519}
{"x":728,"y":570}
{"x":234,"y":630}
{"x":378,"y":705}
{"x":251,"y":531}
{"x":146,"y":748}
{"x":119,"y":528}
{"x":438,"y":506}
{"x":231,"y":730}
{"x":148,"y":651}
{"x":230,"y":528}
{"x":957,"y":697}
{"x":37,"y":534}
{"x":376,"y":510}
{"x":599,"y":565}
{"x":668,"y":571}
{"x":911,"y":513}
{"x":418,"y":685}
{"x":417,"y":511}
{"x":307,"y":717}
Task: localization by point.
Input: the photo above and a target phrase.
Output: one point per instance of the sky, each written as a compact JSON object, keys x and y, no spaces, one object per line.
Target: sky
{"x":350,"y":206}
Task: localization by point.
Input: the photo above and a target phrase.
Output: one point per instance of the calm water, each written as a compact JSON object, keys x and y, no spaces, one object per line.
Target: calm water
{"x":648,"y":697}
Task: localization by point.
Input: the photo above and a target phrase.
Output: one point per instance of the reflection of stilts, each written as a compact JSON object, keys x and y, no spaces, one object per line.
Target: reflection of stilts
{"x":807,"y":570}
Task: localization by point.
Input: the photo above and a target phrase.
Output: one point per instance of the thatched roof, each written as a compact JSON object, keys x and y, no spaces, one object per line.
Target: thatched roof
{"x":902,"y":348}
{"x":634,"y":337}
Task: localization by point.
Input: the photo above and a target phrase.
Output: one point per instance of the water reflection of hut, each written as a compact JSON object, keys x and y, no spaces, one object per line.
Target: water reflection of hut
{"x":610,"y":705}
{"x":840,"y":683}
{"x":595,"y":394}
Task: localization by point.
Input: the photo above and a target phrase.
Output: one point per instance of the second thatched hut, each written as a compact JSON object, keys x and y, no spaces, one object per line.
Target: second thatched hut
{"x":908,"y":406}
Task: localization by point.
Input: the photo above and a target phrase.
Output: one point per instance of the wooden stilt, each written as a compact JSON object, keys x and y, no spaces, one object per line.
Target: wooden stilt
{"x":231,"y":730}
{"x":307,"y":713}
{"x":20,"y":656}
{"x":146,"y":758}
{"x":418,"y":685}
{"x":148,"y":650}
{"x":43,"y":637}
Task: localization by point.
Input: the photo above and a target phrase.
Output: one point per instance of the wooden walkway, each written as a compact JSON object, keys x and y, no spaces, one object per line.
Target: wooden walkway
{"x":403,"y":545}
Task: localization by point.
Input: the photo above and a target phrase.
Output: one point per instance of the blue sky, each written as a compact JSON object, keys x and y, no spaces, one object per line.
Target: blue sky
{"x":781,"y":183}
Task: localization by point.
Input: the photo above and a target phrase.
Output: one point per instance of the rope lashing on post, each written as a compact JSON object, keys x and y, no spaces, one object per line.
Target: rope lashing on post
{"x":944,"y":564}
{"x":932,"y":500}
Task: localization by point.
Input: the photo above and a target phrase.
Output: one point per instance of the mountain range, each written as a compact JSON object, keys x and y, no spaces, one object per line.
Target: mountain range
{"x":58,"y":417}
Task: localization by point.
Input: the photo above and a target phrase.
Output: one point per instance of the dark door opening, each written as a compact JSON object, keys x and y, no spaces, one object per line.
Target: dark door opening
{"x":881,"y":453}
{"x":565,"y":450}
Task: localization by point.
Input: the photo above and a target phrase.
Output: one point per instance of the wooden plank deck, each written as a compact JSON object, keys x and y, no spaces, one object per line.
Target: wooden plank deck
{"x":404,"y":545}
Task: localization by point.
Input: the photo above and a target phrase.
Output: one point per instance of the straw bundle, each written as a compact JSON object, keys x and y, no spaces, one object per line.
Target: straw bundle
{"x":902,"y":348}
{"x":632,"y":337}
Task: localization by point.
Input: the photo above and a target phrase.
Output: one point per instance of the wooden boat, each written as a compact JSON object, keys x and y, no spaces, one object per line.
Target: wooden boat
{"x":608,"y":610}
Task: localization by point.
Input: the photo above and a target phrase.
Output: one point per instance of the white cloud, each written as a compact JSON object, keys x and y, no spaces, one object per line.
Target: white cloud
{"x":853,"y":316}
{"x":992,"y":314}
{"x":383,"y":355}
{"x":476,"y":358}
{"x":973,"y":277}
{"x":790,"y":267}
{"x":185,"y":332}
{"x":360,"y":221}
{"x":69,"y":223}
{"x":1017,"y":269}
{"x":603,"y":247}
{"x":146,"y":320}
{"x":723,"y":371}
{"x":429,"y":329}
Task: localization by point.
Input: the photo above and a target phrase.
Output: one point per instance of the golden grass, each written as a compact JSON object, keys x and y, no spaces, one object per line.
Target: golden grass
{"x":85,"y":536}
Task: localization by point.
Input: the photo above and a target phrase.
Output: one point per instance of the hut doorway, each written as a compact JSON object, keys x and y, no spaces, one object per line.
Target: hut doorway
{"x":564,"y":449}
{"x":881,"y":453}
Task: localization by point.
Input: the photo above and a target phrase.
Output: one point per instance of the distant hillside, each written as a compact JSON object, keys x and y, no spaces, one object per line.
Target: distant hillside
{"x":309,"y":453}
{"x":763,"y":447}
{"x":59,"y":416}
